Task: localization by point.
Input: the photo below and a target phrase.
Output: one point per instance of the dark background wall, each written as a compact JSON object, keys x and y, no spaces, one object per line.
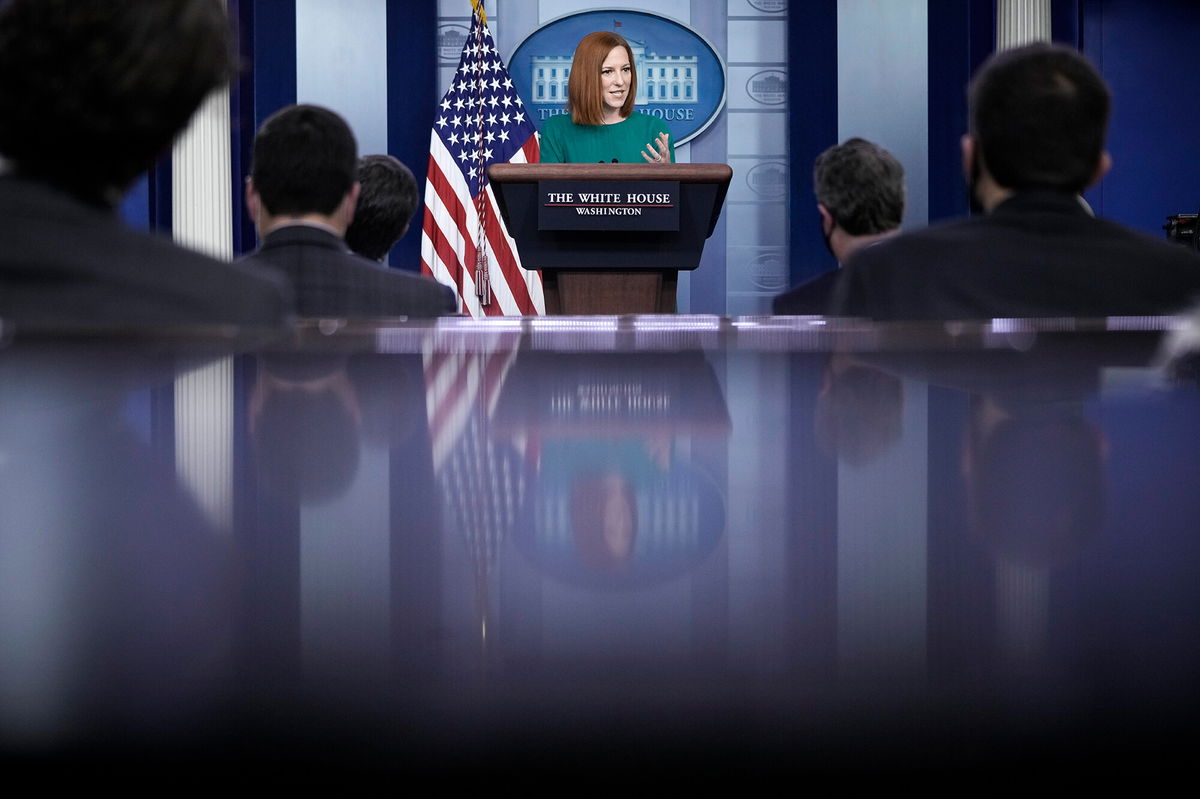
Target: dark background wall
{"x":1148,"y":54}
{"x":812,"y":103}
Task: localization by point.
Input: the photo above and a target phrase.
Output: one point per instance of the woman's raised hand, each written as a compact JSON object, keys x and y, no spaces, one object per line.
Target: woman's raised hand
{"x":659,"y":152}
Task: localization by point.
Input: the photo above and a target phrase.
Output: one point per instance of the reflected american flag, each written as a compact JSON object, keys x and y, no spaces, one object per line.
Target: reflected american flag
{"x":482,"y":478}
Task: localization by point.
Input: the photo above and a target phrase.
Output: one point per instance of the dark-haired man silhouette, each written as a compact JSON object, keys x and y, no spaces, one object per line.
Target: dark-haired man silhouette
{"x":1038,"y":119}
{"x":302,"y":194}
{"x":859,"y":188}
{"x":386,"y":205}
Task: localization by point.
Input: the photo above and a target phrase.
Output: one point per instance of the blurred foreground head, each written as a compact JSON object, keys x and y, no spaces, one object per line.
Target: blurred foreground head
{"x":93,"y":92}
{"x":1039,"y":115}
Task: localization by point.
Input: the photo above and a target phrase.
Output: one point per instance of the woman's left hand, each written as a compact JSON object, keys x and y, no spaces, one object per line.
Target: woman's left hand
{"x":659,"y":152}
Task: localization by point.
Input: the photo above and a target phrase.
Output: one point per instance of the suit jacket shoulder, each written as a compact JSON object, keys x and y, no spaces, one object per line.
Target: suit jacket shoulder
{"x":813,"y":296}
{"x":329,"y":280}
{"x":1037,"y":255}
{"x":64,"y":262}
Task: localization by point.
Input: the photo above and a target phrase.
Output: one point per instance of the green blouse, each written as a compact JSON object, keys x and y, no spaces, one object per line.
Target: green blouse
{"x":564,"y":142}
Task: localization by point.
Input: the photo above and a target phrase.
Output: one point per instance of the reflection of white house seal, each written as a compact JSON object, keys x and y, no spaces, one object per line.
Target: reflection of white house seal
{"x":768,"y":87}
{"x":768,"y":271}
{"x":768,"y":179}
{"x":769,"y":6}
{"x":450,"y":41}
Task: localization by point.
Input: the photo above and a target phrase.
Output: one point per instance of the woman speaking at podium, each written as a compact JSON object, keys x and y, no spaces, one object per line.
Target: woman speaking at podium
{"x":600,"y":124}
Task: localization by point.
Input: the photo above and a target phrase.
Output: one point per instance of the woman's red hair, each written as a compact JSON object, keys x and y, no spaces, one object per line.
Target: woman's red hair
{"x":584,"y":99}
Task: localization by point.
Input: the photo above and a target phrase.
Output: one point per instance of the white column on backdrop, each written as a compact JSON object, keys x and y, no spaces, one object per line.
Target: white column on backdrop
{"x":204,"y":438}
{"x":202,"y":218}
{"x":1020,"y":22}
{"x":883,"y":96}
{"x":201,"y":181}
{"x":1022,"y":592}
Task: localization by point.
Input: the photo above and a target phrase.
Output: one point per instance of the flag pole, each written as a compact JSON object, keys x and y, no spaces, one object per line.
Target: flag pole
{"x":483,"y":288}
{"x":478,"y":6}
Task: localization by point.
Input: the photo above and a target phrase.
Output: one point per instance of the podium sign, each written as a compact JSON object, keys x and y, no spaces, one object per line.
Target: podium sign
{"x":597,"y":260}
{"x":614,"y":205}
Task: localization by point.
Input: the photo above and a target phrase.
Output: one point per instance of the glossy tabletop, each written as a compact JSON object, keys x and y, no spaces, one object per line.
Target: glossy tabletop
{"x":676,"y":545}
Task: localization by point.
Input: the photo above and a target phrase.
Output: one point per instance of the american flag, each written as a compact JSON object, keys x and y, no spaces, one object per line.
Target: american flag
{"x":480,"y":121}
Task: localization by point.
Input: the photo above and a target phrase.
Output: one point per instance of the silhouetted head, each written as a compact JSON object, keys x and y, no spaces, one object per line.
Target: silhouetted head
{"x":93,"y":92}
{"x":858,"y":412}
{"x":861,"y":185}
{"x":1039,"y":114}
{"x":386,"y":203}
{"x":305,"y":161}
{"x":306,"y":426}
{"x":1035,"y":484}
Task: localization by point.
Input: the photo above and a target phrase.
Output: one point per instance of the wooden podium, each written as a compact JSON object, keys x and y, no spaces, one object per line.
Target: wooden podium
{"x":610,"y":271}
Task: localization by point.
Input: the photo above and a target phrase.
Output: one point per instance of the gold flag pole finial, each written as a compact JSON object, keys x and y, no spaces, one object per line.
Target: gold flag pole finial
{"x":478,"y":6}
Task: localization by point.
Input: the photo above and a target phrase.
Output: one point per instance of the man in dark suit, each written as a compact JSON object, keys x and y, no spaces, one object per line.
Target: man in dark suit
{"x":302,"y":194}
{"x":860,"y":197}
{"x":386,"y":205}
{"x":1038,"y":119}
{"x":91,"y":94}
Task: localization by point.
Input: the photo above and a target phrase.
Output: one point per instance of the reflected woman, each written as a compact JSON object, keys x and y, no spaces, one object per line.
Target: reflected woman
{"x":600,"y":123}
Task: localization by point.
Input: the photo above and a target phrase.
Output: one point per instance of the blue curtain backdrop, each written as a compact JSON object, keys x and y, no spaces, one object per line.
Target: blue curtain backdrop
{"x":412,"y":96}
{"x":1147,"y":53}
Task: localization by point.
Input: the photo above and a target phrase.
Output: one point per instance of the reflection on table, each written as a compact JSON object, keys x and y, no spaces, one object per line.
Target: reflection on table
{"x":454,"y":545}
